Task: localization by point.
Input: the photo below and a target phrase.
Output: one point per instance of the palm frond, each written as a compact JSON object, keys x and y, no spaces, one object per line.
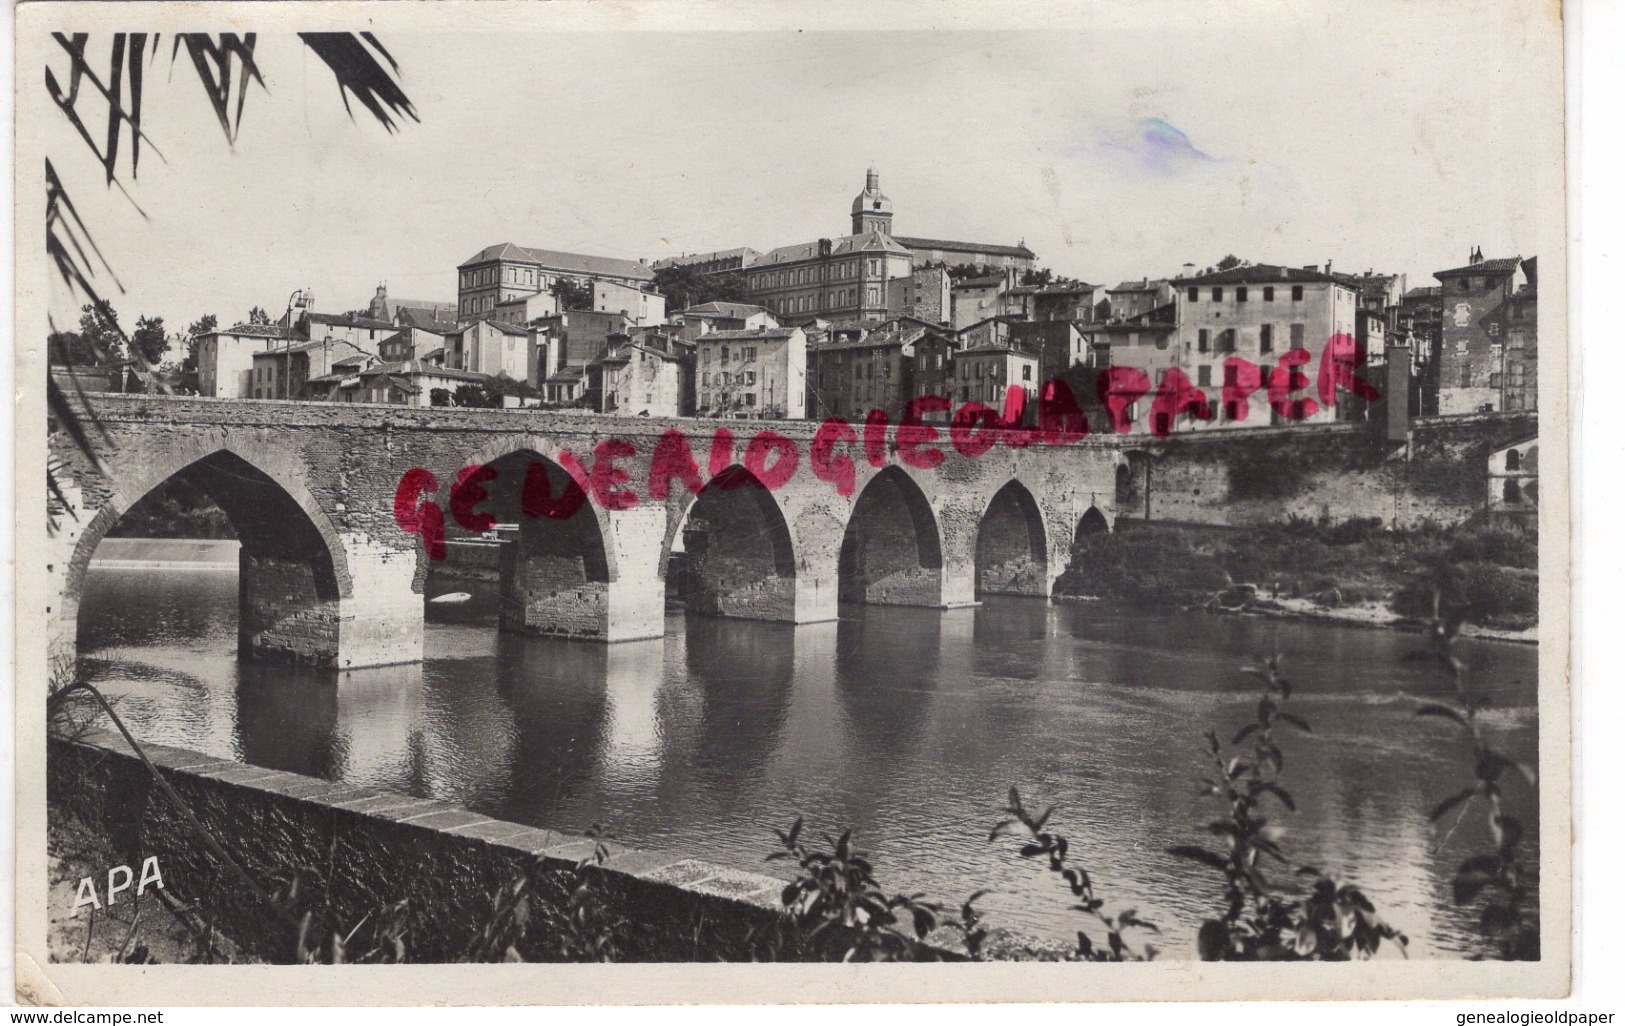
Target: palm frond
{"x":349,"y":56}
{"x":215,"y":60}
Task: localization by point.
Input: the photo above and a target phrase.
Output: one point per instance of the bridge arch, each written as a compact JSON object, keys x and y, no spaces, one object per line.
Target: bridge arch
{"x":558,"y":566}
{"x":740,"y":555}
{"x":891,"y":549}
{"x":512,"y":456}
{"x":1012,"y":547}
{"x":293,"y":570}
{"x":1091,"y":523}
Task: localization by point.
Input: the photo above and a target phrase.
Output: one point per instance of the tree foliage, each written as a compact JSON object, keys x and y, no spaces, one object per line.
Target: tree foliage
{"x":685,"y":286}
{"x":258,"y":316}
{"x":476,"y":395}
{"x":1263,"y":919}
{"x":573,"y":294}
{"x":195,"y":331}
{"x":99,"y":328}
{"x":149,"y":343}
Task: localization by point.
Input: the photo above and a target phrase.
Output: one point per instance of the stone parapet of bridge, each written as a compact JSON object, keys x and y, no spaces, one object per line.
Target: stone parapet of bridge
{"x":329,"y":576}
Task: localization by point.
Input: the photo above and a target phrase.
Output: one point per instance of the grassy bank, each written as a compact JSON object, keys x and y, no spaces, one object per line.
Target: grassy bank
{"x":1486,"y":574}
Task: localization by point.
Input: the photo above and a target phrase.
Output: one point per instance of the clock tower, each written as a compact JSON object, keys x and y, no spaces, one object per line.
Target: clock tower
{"x":871,"y":211}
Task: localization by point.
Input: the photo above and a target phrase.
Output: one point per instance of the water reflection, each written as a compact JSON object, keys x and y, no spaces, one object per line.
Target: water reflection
{"x":742,"y":671}
{"x":876,"y":660}
{"x":908,"y":725}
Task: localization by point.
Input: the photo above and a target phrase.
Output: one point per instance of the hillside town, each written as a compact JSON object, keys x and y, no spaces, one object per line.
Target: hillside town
{"x":875,"y":320}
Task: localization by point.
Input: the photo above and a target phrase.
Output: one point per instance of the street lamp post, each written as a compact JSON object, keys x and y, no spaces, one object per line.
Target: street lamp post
{"x":299,"y":298}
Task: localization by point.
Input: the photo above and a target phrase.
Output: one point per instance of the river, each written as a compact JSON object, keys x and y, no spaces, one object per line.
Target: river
{"x":908,"y":726}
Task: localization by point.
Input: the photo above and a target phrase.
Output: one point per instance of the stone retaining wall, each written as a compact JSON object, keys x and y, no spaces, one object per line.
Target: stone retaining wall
{"x":360,"y":849}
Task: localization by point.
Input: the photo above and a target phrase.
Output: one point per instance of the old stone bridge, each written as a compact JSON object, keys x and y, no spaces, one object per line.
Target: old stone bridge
{"x":328,"y":575}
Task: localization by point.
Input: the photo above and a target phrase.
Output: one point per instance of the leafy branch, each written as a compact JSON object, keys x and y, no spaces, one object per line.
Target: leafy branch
{"x":1054,"y":847}
{"x":1496,"y":875}
{"x":835,"y":893}
{"x":1334,"y":922}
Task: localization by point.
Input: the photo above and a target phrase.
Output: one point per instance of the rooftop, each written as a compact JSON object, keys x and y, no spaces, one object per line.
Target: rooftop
{"x":579,"y":263}
{"x":717,"y":309}
{"x":988,"y":348}
{"x":745,"y":254}
{"x":409,"y":367}
{"x":892,"y":333}
{"x":747,"y":334}
{"x":869,"y":242}
{"x":346,"y":321}
{"x":915,"y":242}
{"x":1504,"y":265}
{"x":1260,"y":274}
{"x":1140,"y":285}
{"x":256,"y":330}
{"x":984,"y":282}
{"x":297,"y":347}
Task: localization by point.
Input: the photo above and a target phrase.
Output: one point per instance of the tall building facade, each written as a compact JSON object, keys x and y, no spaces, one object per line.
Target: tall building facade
{"x":1258,"y":312}
{"x":1477,"y":306}
{"x":497,"y":274}
{"x":870,"y":274}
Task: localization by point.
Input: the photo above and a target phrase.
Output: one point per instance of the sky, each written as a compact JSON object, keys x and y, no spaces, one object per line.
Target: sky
{"x":1118,"y":142}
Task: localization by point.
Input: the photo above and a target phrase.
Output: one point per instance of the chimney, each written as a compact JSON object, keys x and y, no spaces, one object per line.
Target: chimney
{"x":1187,"y":270}
{"x":1328,"y":266}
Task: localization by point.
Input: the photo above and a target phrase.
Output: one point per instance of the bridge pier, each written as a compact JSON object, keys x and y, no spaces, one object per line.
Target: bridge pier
{"x":289,"y":608}
{"x":557,"y":578}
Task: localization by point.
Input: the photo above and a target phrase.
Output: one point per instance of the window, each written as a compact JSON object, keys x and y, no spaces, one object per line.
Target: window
{"x":1227,"y":340}
{"x":1201,"y":340}
{"x":1026,"y":372}
{"x":1510,"y":492}
{"x":1241,"y":293}
{"x":1297,"y":293}
{"x":1218,"y":295}
{"x":1512,"y":459}
{"x":750,"y":398}
{"x":1297,"y":336}
{"x":1269,"y":293}
{"x":705,"y":379}
{"x":1193,"y":294}
{"x":978,"y":368}
{"x":750,"y":377}
{"x":1204,"y":375}
{"x":1266,"y":336}
{"x":857,"y":372}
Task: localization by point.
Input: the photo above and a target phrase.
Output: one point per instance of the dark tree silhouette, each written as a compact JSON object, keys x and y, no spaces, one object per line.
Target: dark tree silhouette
{"x":148,"y":343}
{"x":573,"y":295}
{"x":204,"y":325}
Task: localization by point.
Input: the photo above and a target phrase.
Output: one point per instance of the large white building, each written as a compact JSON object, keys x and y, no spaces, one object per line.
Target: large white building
{"x":225,"y":359}
{"x":748,"y":374}
{"x":1257,"y":312}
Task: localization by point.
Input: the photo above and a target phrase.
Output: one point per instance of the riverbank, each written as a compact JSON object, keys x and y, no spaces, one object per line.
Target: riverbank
{"x":167,"y":553}
{"x":150,"y":929}
{"x":1356,"y":573}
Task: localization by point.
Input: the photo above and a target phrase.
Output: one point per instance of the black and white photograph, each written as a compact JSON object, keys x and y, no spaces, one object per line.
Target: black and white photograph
{"x":705,"y":483}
